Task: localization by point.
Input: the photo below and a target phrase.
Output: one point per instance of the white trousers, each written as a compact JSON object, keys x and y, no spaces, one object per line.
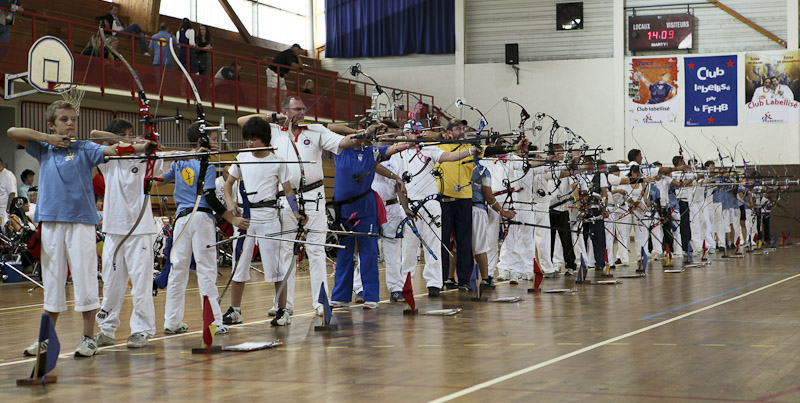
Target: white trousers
{"x":199,"y":234}
{"x":698,"y":221}
{"x":641,"y":233}
{"x":676,"y":234}
{"x":431,"y":234}
{"x":579,"y":246}
{"x":480,"y":223}
{"x":493,"y":237}
{"x":72,"y":243}
{"x":720,"y":224}
{"x":134,"y":262}
{"x":610,"y":225}
{"x":272,"y":80}
{"x":542,"y":239}
{"x":518,"y":250}
{"x":317,"y":220}
{"x":391,"y":251}
{"x":274,"y":268}
{"x":708,"y":211}
{"x":624,"y":235}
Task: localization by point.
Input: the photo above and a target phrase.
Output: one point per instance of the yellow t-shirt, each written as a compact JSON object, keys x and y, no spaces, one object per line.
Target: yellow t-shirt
{"x":455,"y":177}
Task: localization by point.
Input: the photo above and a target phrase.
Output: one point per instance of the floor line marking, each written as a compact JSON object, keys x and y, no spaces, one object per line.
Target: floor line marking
{"x":718,"y":295}
{"x":543,"y":364}
{"x":664,"y":344}
{"x":196,"y":332}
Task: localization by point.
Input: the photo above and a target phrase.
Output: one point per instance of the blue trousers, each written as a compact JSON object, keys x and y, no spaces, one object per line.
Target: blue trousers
{"x":367,"y":257}
{"x":457,"y":215}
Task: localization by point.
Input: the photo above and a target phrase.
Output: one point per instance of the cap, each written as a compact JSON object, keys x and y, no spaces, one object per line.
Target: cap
{"x":298,"y":46}
{"x":454,"y":122}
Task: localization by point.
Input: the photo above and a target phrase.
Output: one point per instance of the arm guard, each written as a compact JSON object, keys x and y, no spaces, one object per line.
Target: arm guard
{"x":211,"y":198}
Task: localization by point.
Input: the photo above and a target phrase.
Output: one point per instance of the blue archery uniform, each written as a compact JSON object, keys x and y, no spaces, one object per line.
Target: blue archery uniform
{"x":65,"y":181}
{"x":184,"y":173}
{"x":479,"y":175}
{"x":353,"y":185}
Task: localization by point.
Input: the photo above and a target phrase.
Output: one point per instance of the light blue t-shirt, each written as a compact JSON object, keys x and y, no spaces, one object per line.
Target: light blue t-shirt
{"x":65,"y":181}
{"x":184,"y":173}
{"x":480,"y":177}
{"x":159,"y":45}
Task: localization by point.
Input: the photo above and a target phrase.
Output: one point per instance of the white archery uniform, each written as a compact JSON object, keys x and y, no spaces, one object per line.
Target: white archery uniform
{"x":621,"y":224}
{"x":421,"y":166}
{"x":698,"y":216}
{"x":709,"y":210}
{"x":8,"y":185}
{"x":310,"y":143}
{"x":124,"y":197}
{"x":261,"y":182}
{"x":519,"y":248}
{"x":220,"y":190}
{"x":498,"y":171}
{"x":391,"y":245}
{"x":541,"y":214}
{"x":660,"y":231}
{"x":641,"y":226}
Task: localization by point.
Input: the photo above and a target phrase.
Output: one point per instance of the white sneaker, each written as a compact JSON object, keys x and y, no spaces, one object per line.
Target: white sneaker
{"x":274,"y":311}
{"x":232,"y":316}
{"x":137,"y":340}
{"x":339,"y":304}
{"x":282,"y":318}
{"x":103,"y":340}
{"x":504,"y":275}
{"x":513,"y":278}
{"x":320,"y":310}
{"x":181,"y":328}
{"x":86,"y":347}
{"x":370,"y":305}
{"x":222,"y":329}
{"x":31,"y":350}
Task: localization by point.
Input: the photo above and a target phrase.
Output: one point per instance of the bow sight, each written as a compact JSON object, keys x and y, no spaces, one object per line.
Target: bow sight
{"x":377,"y":110}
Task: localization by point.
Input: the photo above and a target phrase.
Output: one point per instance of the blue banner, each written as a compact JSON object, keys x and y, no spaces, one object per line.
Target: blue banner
{"x":711,"y":91}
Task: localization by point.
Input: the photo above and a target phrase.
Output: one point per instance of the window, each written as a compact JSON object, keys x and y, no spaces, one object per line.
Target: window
{"x":569,"y":16}
{"x":281,"y":26}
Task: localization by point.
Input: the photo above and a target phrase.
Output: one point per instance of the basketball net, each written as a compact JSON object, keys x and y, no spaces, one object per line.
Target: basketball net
{"x":73,"y":94}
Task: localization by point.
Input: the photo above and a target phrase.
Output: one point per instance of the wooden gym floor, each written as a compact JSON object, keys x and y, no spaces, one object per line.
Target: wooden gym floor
{"x":726,"y":332}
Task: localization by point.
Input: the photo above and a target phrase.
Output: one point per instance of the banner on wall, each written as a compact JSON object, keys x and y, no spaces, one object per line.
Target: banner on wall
{"x":653,"y":97}
{"x":711,"y":94}
{"x":772,"y":87}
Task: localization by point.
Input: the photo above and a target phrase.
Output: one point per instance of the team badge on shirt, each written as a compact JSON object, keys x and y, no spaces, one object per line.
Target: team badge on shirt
{"x":307,"y":142}
{"x":135,"y":169}
{"x":70,"y":156}
{"x":188,"y":176}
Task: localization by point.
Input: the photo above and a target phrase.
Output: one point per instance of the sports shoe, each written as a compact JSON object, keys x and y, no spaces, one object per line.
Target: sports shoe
{"x":370,"y":305}
{"x":181,"y":328}
{"x":273,"y":311}
{"x":137,"y":340}
{"x":569,"y":272}
{"x":359,"y":297}
{"x":434,"y":292}
{"x":491,"y":281}
{"x":513,"y":278}
{"x":528,"y":276}
{"x":103,"y":340}
{"x":282,"y":318}
{"x":31,"y":351}
{"x":464,"y":288}
{"x":86,"y":347}
{"x":222,"y":329}
{"x":146,"y":54}
{"x":551,"y":275}
{"x":340,"y":304}
{"x":618,"y":261}
{"x":486,"y":284}
{"x":450,"y":284}
{"x":232,"y":316}
{"x":397,"y":296}
{"x":319,"y":311}
{"x":504,"y":275}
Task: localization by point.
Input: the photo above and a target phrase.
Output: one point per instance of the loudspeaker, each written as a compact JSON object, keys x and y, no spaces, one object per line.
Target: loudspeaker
{"x":512,"y":53}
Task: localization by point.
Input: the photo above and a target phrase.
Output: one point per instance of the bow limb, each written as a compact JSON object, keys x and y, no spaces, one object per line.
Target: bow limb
{"x":150,"y":134}
{"x":204,"y":141}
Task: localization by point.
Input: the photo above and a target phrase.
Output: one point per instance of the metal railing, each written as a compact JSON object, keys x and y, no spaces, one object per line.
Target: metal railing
{"x":326,"y":101}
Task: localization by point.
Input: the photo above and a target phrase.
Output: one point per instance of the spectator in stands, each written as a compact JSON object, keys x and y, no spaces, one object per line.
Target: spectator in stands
{"x":33,"y":196}
{"x":206,"y":43}
{"x":308,"y":87}
{"x":27,"y":182}
{"x":162,"y":57}
{"x":111,"y":21}
{"x":6,"y":20}
{"x":95,"y":47}
{"x":232,"y":72}
{"x":186,"y":54}
{"x":286,"y":58}
{"x":8,"y":189}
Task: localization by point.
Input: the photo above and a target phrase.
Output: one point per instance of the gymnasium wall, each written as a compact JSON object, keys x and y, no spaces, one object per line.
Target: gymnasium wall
{"x":588,"y":94}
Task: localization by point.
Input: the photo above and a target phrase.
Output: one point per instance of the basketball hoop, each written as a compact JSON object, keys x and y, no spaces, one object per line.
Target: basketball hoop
{"x":70,"y":92}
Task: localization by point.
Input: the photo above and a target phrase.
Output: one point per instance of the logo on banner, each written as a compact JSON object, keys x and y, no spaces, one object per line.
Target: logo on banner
{"x":711,"y":91}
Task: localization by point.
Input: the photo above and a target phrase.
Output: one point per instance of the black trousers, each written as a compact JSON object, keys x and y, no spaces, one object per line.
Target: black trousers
{"x":559,"y":221}
{"x":686,"y":229}
{"x":669,"y":239}
{"x":762,"y":226}
{"x":457,"y":215}
{"x":596,"y":229}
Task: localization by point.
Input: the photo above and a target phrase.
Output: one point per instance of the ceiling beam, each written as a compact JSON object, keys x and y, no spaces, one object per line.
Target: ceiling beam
{"x":236,"y":21}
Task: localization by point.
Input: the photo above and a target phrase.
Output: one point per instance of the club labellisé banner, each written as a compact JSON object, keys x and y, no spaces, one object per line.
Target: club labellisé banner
{"x":653,"y":96}
{"x":772,"y":87}
{"x":710,"y":91}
